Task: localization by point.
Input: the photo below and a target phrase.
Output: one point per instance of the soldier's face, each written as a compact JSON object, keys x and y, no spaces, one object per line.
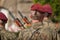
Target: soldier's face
{"x":1,"y":24}
{"x":36,"y":15}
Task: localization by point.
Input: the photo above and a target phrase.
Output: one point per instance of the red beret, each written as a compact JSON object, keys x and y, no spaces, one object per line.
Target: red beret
{"x":3,"y":17}
{"x":37,"y":7}
{"x":47,"y":8}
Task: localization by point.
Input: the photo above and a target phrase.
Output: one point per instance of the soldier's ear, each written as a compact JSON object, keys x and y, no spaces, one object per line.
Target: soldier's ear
{"x":35,"y":12}
{"x":46,"y":14}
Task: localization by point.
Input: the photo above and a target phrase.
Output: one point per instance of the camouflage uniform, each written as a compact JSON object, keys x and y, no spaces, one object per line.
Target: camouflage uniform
{"x":48,"y":9}
{"x":6,"y":35}
{"x":25,"y":34}
{"x":39,"y":31}
{"x":58,"y":32}
{"x":46,"y":32}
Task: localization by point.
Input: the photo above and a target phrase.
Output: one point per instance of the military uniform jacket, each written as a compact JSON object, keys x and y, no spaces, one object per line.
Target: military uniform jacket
{"x":39,"y":31}
{"x":5,"y":35}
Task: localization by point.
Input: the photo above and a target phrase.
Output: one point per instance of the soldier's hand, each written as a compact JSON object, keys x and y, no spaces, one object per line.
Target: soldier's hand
{"x":27,"y":25}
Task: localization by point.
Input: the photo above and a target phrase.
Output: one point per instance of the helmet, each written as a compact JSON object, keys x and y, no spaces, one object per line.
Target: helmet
{"x":37,"y":7}
{"x":47,"y":8}
{"x":3,"y":17}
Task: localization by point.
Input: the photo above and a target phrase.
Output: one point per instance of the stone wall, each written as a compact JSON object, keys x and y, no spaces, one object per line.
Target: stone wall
{"x":21,"y":5}
{"x":24,"y":6}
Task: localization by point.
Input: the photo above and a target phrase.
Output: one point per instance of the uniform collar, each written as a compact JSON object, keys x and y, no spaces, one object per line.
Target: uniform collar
{"x":35,"y":21}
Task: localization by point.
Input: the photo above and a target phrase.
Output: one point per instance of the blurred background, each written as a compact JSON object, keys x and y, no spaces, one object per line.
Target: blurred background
{"x":25,"y":5}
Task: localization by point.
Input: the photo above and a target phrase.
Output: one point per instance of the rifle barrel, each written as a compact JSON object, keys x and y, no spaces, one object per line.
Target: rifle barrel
{"x":12,"y":15}
{"x":20,"y":14}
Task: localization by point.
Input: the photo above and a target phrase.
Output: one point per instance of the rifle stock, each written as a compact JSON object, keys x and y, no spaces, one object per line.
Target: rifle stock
{"x":19,"y":23}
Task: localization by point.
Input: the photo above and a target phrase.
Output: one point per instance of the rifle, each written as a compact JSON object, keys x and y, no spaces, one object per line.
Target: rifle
{"x":25,"y":19}
{"x":16,"y":20}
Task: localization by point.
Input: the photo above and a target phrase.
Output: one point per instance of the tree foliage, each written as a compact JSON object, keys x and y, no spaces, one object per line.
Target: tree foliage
{"x":55,"y":6}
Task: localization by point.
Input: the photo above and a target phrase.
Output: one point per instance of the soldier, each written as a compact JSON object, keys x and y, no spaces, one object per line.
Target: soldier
{"x":48,"y":32}
{"x":4,"y":34}
{"x":39,"y":31}
{"x":37,"y":15}
{"x":27,"y":34}
{"x":43,"y":33}
{"x":47,"y":14}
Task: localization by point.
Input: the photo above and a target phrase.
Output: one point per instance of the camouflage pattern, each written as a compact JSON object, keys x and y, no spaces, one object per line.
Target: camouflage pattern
{"x":5,"y":35}
{"x":39,"y":31}
{"x":37,"y":25}
{"x":46,"y":31}
{"x":58,"y":32}
{"x":25,"y":34}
